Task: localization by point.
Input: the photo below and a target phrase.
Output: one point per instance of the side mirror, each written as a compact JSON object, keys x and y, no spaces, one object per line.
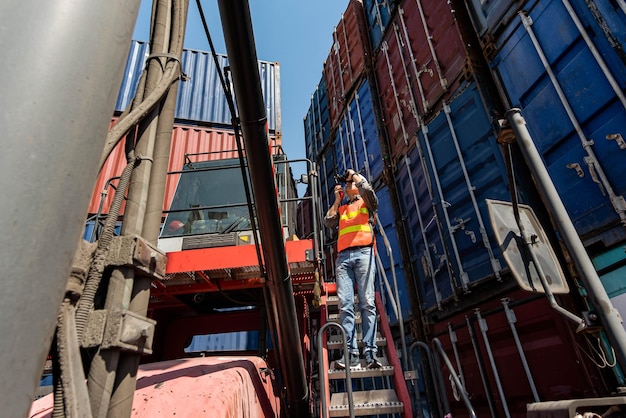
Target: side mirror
{"x":517,"y":254}
{"x":304,"y":178}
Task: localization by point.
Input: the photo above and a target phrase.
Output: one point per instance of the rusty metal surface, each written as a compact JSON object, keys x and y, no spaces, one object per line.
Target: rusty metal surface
{"x":219,"y":387}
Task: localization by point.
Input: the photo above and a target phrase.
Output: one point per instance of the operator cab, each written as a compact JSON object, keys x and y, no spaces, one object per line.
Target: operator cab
{"x":209,"y":208}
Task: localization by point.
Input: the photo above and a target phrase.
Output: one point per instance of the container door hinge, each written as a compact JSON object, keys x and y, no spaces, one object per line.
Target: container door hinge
{"x":591,"y":163}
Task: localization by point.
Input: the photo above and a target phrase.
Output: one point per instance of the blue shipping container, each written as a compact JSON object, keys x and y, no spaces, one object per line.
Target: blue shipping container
{"x":201,"y":98}
{"x":578,"y":132}
{"x":317,"y":123}
{"x":356,"y":141}
{"x":444,"y":203}
{"x":378,"y":15}
{"x":230,"y":341}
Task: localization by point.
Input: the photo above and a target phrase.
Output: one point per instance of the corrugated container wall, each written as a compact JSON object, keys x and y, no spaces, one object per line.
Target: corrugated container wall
{"x":573,"y":102}
{"x":420,"y":64}
{"x":206,"y":143}
{"x":201,"y":98}
{"x":444,"y":181}
{"x":356,"y":141}
{"x":317,"y":122}
{"x":232,"y":341}
{"x":347,"y":59}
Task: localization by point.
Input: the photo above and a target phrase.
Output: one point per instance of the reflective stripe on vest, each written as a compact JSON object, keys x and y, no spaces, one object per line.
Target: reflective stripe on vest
{"x":355,"y":229}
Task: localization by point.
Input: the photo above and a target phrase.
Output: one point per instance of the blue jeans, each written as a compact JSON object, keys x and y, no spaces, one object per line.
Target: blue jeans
{"x":356,"y":266}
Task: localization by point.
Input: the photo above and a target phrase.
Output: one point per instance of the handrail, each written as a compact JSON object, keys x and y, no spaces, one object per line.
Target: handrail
{"x":433,"y":375}
{"x":463,"y":393}
{"x":322,"y":369}
{"x":396,"y":296}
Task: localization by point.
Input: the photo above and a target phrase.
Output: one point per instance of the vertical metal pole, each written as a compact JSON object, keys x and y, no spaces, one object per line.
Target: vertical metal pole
{"x":51,"y":144}
{"x":121,"y":402}
{"x":429,"y":271}
{"x":610,"y":317}
{"x":454,"y":340}
{"x":510,"y":316}
{"x":482,"y":324}
{"x":451,"y":231}
{"x":481,"y":368}
{"x":239,"y":38}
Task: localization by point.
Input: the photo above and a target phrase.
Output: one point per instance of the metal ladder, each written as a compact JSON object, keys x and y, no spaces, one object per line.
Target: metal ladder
{"x":381,"y":392}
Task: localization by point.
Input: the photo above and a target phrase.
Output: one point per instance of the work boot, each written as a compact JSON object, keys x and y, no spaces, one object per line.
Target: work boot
{"x":341,"y":363}
{"x":372,"y":361}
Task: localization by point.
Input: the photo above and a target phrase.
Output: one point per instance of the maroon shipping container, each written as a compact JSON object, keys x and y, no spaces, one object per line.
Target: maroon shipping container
{"x":419,"y":65}
{"x":438,"y":49}
{"x":210,"y":143}
{"x":397,"y":90}
{"x":555,"y":354}
{"x":346,"y":60}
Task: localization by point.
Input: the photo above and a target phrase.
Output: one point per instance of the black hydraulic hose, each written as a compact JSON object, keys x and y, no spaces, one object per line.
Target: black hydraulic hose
{"x":103,"y":195}
{"x":239,"y":38}
{"x":171,"y":73}
{"x":125,"y":372}
{"x":453,"y":373}
{"x":58,"y":408}
{"x":94,"y":276}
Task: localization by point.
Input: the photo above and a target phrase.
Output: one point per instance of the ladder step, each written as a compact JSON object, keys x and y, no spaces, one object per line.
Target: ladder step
{"x":333,"y":300}
{"x":369,"y":402}
{"x":335,"y":342}
{"x":362,"y":372}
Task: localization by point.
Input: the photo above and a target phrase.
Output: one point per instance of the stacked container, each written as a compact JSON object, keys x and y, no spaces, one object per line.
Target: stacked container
{"x":200,"y":97}
{"x":577,"y":73}
{"x":347,"y":60}
{"x":189,"y":143}
{"x":317,"y":123}
{"x":203,"y":118}
{"x":440,"y":76}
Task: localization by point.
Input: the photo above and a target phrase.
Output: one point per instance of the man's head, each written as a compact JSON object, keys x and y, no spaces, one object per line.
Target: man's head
{"x":351,"y":189}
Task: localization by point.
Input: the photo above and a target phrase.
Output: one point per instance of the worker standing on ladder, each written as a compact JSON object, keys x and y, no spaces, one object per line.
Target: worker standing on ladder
{"x":355,"y":263}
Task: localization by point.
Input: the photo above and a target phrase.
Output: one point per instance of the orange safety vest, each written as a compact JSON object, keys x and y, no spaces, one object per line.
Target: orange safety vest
{"x":355,"y":229}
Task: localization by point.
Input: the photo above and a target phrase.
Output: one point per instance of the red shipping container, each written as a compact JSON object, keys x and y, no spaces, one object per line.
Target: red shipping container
{"x":209,"y":143}
{"x":420,"y":66}
{"x":397,"y":94}
{"x":438,"y":48}
{"x":346,"y":61}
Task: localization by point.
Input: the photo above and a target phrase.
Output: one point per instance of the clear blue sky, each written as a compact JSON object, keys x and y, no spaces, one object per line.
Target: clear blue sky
{"x":297,"y":34}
